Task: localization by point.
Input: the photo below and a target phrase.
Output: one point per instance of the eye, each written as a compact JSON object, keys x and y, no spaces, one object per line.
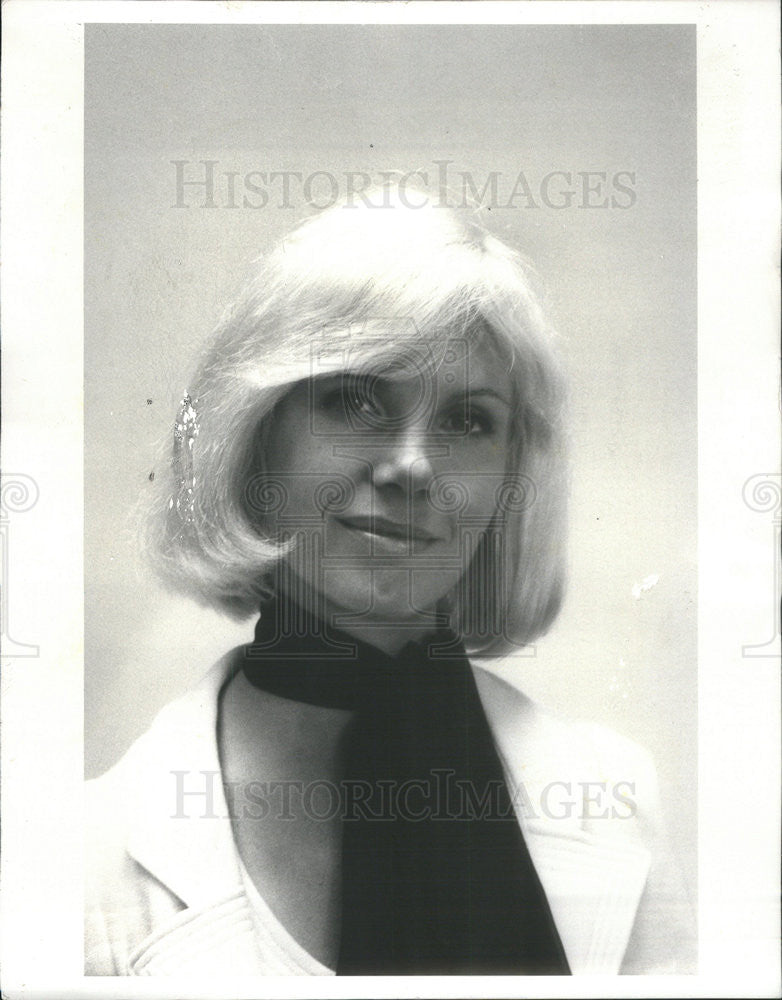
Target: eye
{"x":470,"y":421}
{"x":348,"y":398}
{"x":330,"y":400}
{"x":360,"y":400}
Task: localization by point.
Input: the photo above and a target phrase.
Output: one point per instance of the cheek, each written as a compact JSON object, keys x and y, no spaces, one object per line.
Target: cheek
{"x":482,"y":491}
{"x":287,"y":445}
{"x":301,"y":470}
{"x":471,"y":479}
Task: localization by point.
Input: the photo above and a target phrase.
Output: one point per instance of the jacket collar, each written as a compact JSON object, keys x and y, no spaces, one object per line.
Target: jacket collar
{"x":179,"y":826}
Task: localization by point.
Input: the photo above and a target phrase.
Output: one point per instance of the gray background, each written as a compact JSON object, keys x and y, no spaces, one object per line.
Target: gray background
{"x":622,"y":289}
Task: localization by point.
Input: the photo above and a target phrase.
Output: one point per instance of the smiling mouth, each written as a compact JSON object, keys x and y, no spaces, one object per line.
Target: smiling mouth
{"x":380,"y":527}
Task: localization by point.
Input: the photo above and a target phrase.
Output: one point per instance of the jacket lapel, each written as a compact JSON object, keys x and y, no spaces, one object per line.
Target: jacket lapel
{"x":180,"y":832}
{"x":593,"y":876}
{"x":179,"y":824}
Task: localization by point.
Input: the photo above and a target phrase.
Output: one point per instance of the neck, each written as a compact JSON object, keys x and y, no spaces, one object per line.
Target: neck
{"x":390,"y":637}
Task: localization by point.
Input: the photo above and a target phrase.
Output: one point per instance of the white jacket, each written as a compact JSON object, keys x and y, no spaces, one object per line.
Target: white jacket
{"x":166,"y":895}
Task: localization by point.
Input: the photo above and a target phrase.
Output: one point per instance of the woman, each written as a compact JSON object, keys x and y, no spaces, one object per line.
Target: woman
{"x":372,"y":455}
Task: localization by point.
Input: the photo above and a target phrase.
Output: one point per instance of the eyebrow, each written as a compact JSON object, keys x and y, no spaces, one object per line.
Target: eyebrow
{"x":468,"y":394}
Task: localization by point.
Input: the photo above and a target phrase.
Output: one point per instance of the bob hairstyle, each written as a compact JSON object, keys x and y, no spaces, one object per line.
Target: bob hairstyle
{"x":351,"y":287}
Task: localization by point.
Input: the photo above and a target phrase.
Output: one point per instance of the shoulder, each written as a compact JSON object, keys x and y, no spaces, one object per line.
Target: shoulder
{"x":120,"y":895}
{"x":129,"y":833}
{"x":598,"y":771}
{"x":588,"y":800}
{"x":182,"y":734}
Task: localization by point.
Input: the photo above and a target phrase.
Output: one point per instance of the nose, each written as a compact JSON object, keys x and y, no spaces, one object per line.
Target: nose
{"x":406,"y":462}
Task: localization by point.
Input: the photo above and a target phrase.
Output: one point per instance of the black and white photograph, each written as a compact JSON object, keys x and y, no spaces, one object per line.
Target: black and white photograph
{"x":404,"y":634}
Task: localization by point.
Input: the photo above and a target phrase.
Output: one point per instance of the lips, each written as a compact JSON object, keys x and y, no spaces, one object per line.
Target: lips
{"x":391,"y":531}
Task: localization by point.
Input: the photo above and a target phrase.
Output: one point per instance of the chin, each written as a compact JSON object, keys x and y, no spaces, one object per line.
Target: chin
{"x":386,"y":595}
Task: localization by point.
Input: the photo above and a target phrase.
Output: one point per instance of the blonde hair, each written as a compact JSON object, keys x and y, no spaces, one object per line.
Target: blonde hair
{"x":367,"y":279}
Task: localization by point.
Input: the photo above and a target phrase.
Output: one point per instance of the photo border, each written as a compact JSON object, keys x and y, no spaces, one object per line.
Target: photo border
{"x":738,"y":308}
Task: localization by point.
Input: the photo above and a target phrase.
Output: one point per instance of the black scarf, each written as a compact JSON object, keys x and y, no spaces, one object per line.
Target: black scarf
{"x":436,"y":877}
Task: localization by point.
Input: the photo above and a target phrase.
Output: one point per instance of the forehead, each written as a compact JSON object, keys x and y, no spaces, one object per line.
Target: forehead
{"x":450,"y":362}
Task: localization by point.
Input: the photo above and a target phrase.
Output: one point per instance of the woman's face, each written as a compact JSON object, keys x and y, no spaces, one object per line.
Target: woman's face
{"x":388,"y":480}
